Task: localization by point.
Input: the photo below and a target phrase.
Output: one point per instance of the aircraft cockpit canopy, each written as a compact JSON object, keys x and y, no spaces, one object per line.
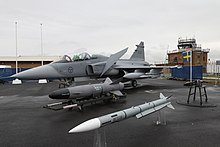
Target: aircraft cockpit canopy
{"x":81,"y":57}
{"x":67,"y":58}
{"x":64,"y":59}
{"x":84,"y":56}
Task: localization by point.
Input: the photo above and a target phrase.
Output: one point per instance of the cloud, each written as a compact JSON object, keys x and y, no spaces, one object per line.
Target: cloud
{"x":106,"y":27}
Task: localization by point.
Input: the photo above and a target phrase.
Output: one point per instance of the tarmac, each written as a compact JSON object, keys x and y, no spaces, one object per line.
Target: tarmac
{"x":24,"y":121}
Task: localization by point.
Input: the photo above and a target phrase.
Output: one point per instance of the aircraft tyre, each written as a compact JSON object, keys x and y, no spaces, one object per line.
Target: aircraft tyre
{"x":134,"y":83}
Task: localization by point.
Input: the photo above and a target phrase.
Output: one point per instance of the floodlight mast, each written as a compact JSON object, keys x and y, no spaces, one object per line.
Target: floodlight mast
{"x":16,"y":48}
{"x":41,"y":36}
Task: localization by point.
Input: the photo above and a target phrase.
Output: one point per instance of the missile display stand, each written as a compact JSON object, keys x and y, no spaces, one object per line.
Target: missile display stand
{"x":198,"y":84}
{"x":161,"y":118}
{"x":193,"y":86}
{"x":100,"y":138}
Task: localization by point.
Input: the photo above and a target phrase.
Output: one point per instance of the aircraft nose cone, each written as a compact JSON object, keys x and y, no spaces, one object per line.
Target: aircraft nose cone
{"x":60,"y":94}
{"x":41,"y":72}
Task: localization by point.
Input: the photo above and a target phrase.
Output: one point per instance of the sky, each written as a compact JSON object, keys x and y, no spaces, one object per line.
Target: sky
{"x":107,"y":26}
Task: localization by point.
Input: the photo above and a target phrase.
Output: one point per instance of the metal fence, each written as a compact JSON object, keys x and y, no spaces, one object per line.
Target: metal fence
{"x":213,"y":67}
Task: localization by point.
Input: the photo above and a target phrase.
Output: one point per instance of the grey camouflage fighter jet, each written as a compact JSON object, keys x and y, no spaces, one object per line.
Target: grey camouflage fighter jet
{"x":96,"y":66}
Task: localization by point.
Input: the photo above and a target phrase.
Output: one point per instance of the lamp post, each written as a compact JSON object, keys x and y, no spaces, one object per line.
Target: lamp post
{"x":16,"y":81}
{"x":42,"y":81}
{"x":16,"y":48}
{"x":42,"y":61}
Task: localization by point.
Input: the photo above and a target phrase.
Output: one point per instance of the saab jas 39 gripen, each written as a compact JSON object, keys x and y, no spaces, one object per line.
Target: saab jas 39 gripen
{"x":96,"y":66}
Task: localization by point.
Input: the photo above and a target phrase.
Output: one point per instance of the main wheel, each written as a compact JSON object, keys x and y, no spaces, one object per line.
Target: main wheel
{"x":134,"y":83}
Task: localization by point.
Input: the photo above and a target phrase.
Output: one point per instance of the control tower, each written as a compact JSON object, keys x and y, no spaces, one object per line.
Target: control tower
{"x":193,"y":50}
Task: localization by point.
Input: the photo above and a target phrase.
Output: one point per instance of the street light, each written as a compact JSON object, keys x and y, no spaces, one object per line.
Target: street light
{"x":42,"y":62}
{"x":16,"y":48}
{"x":42,"y":81}
{"x":16,"y":81}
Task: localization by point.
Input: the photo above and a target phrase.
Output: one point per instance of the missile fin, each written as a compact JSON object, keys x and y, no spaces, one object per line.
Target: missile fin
{"x":160,"y":106}
{"x":117,"y":92}
{"x":144,"y":113}
{"x":152,"y":110}
{"x":170,"y":106}
{"x":108,"y":80}
{"x":162,"y":96}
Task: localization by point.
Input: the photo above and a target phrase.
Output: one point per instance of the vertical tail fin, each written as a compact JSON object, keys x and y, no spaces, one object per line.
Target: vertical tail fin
{"x":138,"y":54}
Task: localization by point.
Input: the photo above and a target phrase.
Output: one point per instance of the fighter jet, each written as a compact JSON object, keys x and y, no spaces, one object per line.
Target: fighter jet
{"x":96,"y":66}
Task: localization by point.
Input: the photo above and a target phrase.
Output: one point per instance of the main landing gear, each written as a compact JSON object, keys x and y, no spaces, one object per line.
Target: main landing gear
{"x":134,"y":83}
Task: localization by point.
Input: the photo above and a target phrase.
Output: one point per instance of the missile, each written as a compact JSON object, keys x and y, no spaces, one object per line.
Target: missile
{"x":153,"y":73}
{"x":133,"y":75}
{"x":138,"y":111}
{"x":88,"y":91}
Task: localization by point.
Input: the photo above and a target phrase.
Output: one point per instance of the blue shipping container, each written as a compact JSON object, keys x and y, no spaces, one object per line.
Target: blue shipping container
{"x":184,"y":72}
{"x":5,"y":73}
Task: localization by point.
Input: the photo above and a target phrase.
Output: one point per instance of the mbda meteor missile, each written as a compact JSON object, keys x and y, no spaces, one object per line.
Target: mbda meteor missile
{"x":138,"y":111}
{"x":88,"y":91}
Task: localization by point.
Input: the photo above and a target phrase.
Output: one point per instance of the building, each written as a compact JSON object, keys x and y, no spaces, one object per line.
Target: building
{"x":27,"y":61}
{"x":188,"y":49}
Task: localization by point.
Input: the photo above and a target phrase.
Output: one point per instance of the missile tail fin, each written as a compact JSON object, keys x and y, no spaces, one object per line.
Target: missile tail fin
{"x":162,"y":96}
{"x":117,"y":93}
{"x":108,"y":81}
{"x":170,"y":106}
{"x":152,"y":110}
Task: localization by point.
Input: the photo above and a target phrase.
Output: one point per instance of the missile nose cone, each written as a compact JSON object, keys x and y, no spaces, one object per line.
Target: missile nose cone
{"x":60,"y":94}
{"x":89,"y":125}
